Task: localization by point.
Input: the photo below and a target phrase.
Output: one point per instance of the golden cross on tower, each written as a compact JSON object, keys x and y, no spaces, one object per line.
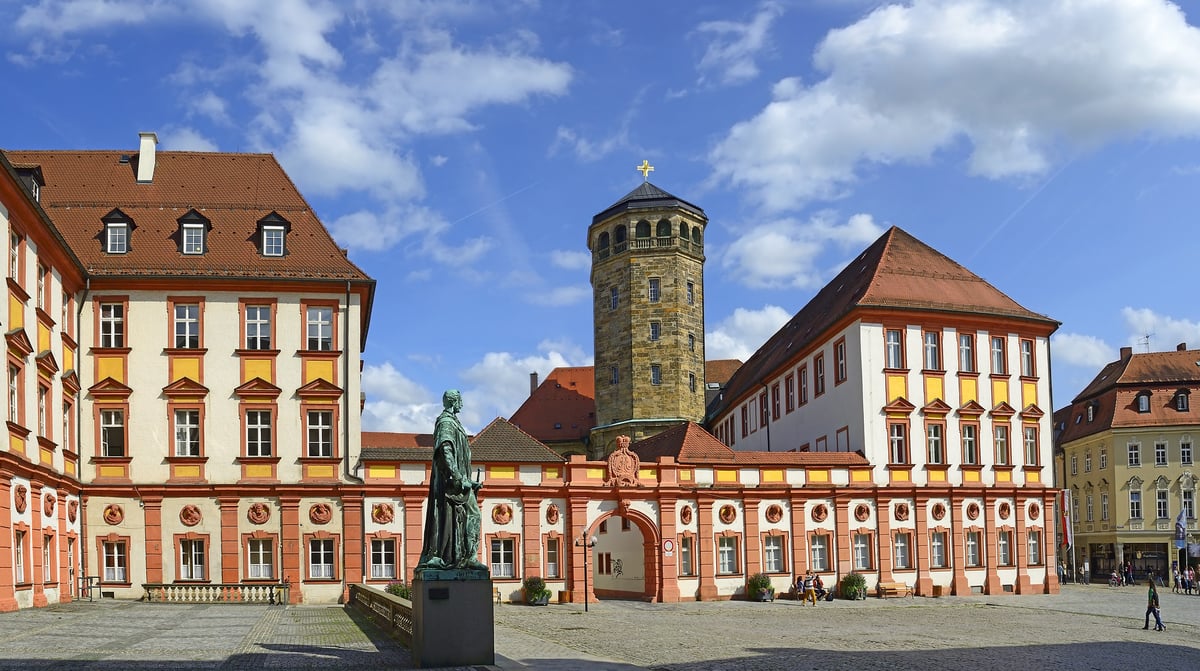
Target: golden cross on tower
{"x":645,"y":168}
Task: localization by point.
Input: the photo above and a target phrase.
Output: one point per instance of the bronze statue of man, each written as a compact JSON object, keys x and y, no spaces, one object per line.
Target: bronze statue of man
{"x":452,"y":520}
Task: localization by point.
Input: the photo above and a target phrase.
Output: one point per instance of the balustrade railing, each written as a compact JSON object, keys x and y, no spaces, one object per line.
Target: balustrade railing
{"x":393,"y":614}
{"x":650,"y":243}
{"x":260,"y":593}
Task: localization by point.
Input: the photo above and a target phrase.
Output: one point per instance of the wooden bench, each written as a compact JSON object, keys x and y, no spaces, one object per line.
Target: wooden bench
{"x":887,"y":589}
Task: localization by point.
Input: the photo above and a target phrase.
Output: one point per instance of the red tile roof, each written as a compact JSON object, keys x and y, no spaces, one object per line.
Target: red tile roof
{"x":233,"y":191}
{"x":562,"y":408}
{"x":689,"y":443}
{"x":720,"y":370}
{"x":897,"y":271}
{"x":498,"y":442}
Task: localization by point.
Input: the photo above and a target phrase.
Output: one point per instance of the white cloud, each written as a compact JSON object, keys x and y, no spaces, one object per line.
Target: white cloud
{"x":499,"y":383}
{"x":570,"y":260}
{"x":59,"y":17}
{"x":784,"y":252}
{"x":1165,"y":331}
{"x":211,"y":105}
{"x":561,"y":296}
{"x":735,"y":45}
{"x":1077,"y":349}
{"x":740,"y":334}
{"x":1023,"y":81}
{"x":396,"y":403}
{"x":183,"y":138}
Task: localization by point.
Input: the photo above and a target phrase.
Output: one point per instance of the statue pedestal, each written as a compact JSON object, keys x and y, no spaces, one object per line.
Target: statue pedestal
{"x":453,"y":619}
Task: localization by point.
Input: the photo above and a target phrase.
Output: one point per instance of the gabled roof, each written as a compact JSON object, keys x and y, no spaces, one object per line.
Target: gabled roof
{"x":720,"y":370}
{"x":499,"y":442}
{"x":562,"y":408}
{"x":690,"y":444}
{"x":647,"y":196}
{"x":232,"y":190}
{"x":897,"y":272}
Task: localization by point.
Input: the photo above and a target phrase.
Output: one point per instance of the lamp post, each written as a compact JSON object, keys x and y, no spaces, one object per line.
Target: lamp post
{"x":587,"y":545}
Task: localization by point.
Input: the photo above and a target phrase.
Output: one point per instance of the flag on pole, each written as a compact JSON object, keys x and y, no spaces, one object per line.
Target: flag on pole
{"x":1180,"y":529}
{"x":1068,"y":537}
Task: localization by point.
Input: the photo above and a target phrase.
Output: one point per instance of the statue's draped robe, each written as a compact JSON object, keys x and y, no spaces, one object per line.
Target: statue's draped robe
{"x":452,"y":521}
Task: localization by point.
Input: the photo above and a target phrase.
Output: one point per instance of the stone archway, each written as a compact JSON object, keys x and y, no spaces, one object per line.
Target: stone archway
{"x":649,"y":557}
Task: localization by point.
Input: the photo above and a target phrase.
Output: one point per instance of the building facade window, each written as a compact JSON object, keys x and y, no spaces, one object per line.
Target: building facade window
{"x":862,"y":552}
{"x":895,"y":349}
{"x":502,"y":558}
{"x":272,"y":240}
{"x":966,"y":352}
{"x":553,"y":546}
{"x":933,"y":443}
{"x":1074,"y":465}
{"x":898,"y":443}
{"x":1143,"y":402}
{"x":773,"y":554}
{"x":902,"y":555}
{"x":999,"y":356}
{"x":937,"y":549}
{"x":112,"y":325}
{"x":193,"y":238}
{"x":383,"y":558}
{"x":259,"y":438}
{"x":1088,"y":509}
{"x":789,"y":391}
{"x":116,"y":565}
{"x":1161,"y":504}
{"x":1004,"y":548}
{"x":19,"y":557}
{"x":1160,"y":453}
{"x":655,"y":329}
{"x":614,"y":298}
{"x":1000,"y":440}
{"x":933,"y":350}
{"x":187,"y":433}
{"x":112,"y":433}
{"x":1027,"y":363}
{"x":187,"y":325}
{"x":320,"y":433}
{"x":1185,"y":451}
{"x":1087,"y":461}
{"x":1031,"y":445}
{"x":1103,"y":458}
{"x":1181,"y":400}
{"x":686,"y":563}
{"x":319,"y":325}
{"x":320,"y":558}
{"x":974,"y":558}
{"x":258,"y":327}
{"x":775,"y":408}
{"x":261,"y":558}
{"x":655,"y":374}
{"x":1035,"y":547}
{"x":803,"y":385}
{"x":614,"y":375}
{"x":116,"y":238}
{"x":840,"y":368}
{"x":654,"y":293}
{"x":191,"y":559}
{"x":970,"y":445}
{"x":1135,"y":504}
{"x":691,"y":293}
{"x":819,"y":547}
{"x":818,"y":375}
{"x":1103,"y":506}
{"x":1189,"y":503}
{"x":1134,"y":451}
{"x":692,"y":382}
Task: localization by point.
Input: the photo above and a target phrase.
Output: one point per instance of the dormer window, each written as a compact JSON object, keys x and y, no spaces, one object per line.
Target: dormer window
{"x":117,"y":230}
{"x":1143,"y":401}
{"x":193,"y":233}
{"x":1091,"y":412}
{"x":1181,"y":400}
{"x":272,"y":235}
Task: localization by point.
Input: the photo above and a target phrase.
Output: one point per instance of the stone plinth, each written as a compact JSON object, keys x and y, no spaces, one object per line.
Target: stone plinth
{"x":453,"y":619}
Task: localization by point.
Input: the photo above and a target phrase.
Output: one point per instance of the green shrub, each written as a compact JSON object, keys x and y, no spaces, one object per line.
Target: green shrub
{"x":398,"y":588}
{"x":758,"y":581}
{"x":535,"y":588}
{"x":853,"y":584}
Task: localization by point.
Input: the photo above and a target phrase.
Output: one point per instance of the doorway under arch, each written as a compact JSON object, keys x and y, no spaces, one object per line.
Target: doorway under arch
{"x":624,"y":564}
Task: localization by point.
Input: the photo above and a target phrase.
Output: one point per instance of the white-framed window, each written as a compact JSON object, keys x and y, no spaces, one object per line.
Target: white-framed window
{"x":970,"y":446}
{"x":193,"y":238}
{"x":272,"y":240}
{"x":553,"y":546}
{"x":895,"y":348}
{"x":1185,"y":451}
{"x":1189,"y":503}
{"x":43,"y":393}
{"x":320,"y":433}
{"x":933,"y":351}
{"x":1087,"y":461}
{"x":973,"y":555}
{"x":1031,"y":445}
{"x":116,"y":565}
{"x":187,"y":325}
{"x":1103,"y":506}
{"x":1135,"y":504}
{"x":1103,"y":458}
{"x":1074,"y":465}
{"x":937,"y":549}
{"x":258,"y":433}
{"x":1004,"y":548}
{"x":655,"y":330}
{"x":902,"y":550}
{"x":383,"y":558}
{"x":1160,"y":453}
{"x":116,"y":238}
{"x":319,"y":324}
{"x":320,"y":558}
{"x":187,"y":433}
{"x":258,"y":327}
{"x":14,"y":257}
{"x":1143,"y":402}
{"x":966,"y":352}
{"x":502,"y":558}
{"x":1000,"y":439}
{"x":1181,"y":400}
{"x":727,"y":555}
{"x":191,"y":559}
{"x":1162,"y":506}
{"x":686,"y":564}
{"x":653,"y":293}
{"x":14,"y":393}
{"x":1027,"y":358}
{"x":840,"y":370}
{"x":898,"y":443}
{"x":19,"y":556}
{"x":262,"y":558}
{"x":1134,"y":451}
{"x":47,"y":558}
{"x":999,"y":360}
{"x":42,"y":276}
{"x":1035,"y":547}
{"x":862,"y":552}
{"x":773,"y":554}
{"x":112,"y":325}
{"x":1089,"y":508}
{"x":112,"y":433}
{"x":933,"y":440}
{"x":819,"y":547}
{"x":655,"y":374}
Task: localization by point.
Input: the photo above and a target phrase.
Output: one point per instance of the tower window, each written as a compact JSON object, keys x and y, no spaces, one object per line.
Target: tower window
{"x":614,"y":376}
{"x":655,"y":330}
{"x":691,"y":293}
{"x":655,"y":284}
{"x":691,"y":342}
{"x":692,"y":382}
{"x":614,"y":298}
{"x":655,"y":374}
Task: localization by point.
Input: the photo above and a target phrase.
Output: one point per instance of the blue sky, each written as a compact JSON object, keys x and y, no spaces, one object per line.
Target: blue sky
{"x":459,"y":149}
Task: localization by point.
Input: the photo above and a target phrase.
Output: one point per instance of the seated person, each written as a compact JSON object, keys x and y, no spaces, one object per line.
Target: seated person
{"x":819,"y":585}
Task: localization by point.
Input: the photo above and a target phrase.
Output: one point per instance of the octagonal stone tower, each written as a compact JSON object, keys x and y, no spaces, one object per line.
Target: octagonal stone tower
{"x":648,"y":315}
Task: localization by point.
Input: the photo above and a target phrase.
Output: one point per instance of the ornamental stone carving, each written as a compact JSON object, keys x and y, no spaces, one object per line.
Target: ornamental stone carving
{"x":774,"y":513}
{"x":382,"y":513}
{"x":728,"y":514}
{"x":552,"y":514}
{"x":623,"y":465}
{"x":258,"y":513}
{"x":1005,"y":510}
{"x":72,"y":509}
{"x":1034,"y":511}
{"x":320,"y":513}
{"x":861,"y":512}
{"x":820,"y":512}
{"x":21,"y":498}
{"x":972,"y":511}
{"x":502,"y":513}
{"x":938,"y":511}
{"x":48,"y":502}
{"x":685,"y":515}
{"x":902,"y":512}
{"x":190,"y":515}
{"x":114,"y":514}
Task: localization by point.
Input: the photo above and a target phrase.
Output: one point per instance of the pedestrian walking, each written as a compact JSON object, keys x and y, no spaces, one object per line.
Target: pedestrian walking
{"x":810,"y":589}
{"x":1152,"y":608}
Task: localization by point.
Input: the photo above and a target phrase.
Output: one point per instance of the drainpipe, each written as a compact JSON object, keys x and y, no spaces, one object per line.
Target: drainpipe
{"x":83,"y":548}
{"x":346,"y":435}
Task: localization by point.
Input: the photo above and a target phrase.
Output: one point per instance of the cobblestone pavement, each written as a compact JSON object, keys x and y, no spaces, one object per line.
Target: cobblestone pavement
{"x":1085,"y":627}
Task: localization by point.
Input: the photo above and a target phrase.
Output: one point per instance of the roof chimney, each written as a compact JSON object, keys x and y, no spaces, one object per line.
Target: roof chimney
{"x":533,"y":384}
{"x":1126,"y":353}
{"x":1181,"y":347}
{"x":145,"y":168}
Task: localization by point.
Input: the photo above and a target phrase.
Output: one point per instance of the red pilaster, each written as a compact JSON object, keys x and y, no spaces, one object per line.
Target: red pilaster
{"x":668,"y":582}
{"x":924,"y":585}
{"x":531,"y":536}
{"x":154,"y":540}
{"x":37,"y":539}
{"x":706,"y":566}
{"x":799,"y":538}
{"x":883,"y":521}
{"x":8,"y":594}
{"x":414,"y":531}
{"x":1021,"y":547}
{"x":230,"y":541}
{"x":991,"y":584}
{"x":352,"y":541}
{"x":289,"y":528}
{"x":1050,"y":551}
{"x":65,"y":572}
{"x":958,"y":584}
